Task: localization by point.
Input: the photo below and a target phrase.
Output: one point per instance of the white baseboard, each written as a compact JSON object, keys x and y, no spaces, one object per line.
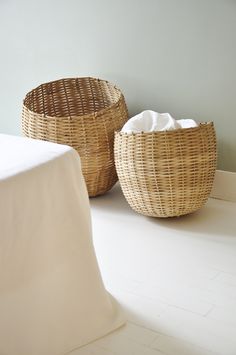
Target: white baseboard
{"x":224,"y":187}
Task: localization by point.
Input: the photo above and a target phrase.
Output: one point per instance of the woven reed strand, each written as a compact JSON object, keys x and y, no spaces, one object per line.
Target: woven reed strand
{"x":167,"y":174}
{"x":83,"y":113}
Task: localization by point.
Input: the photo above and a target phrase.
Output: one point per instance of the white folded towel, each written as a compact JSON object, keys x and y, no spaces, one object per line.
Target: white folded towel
{"x":187,"y":123}
{"x":150,"y":121}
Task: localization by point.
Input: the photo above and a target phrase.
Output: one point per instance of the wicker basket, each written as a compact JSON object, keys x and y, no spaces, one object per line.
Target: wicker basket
{"x":83,"y":113}
{"x":166,"y":174}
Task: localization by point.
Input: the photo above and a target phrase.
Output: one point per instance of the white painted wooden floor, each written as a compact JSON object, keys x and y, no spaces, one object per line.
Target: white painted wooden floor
{"x":174,"y":278}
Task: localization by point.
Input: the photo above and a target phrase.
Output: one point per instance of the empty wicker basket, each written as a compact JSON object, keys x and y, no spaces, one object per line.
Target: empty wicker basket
{"x":83,"y":113}
{"x":166,"y":174}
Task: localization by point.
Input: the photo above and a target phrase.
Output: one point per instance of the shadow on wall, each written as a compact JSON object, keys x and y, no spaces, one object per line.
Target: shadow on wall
{"x":142,"y":93}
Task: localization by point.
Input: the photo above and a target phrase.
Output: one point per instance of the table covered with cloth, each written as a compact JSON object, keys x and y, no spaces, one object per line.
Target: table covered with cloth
{"x":52,"y":298}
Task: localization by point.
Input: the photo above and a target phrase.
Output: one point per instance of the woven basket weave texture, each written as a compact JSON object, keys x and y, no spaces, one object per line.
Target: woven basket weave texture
{"x":83,"y":113}
{"x":167,"y":174}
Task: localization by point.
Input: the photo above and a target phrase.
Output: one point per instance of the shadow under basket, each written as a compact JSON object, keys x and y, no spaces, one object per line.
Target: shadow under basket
{"x":167,"y":174}
{"x":83,"y":113}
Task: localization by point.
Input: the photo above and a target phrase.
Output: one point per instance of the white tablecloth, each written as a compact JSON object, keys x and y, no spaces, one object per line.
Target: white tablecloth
{"x":52,"y":298}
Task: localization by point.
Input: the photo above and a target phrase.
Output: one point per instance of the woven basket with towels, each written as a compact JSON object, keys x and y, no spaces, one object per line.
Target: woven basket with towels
{"x":166,"y":173}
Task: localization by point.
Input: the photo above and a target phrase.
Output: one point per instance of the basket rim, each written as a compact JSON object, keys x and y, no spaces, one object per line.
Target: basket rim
{"x":91,"y":114}
{"x":141,"y":134}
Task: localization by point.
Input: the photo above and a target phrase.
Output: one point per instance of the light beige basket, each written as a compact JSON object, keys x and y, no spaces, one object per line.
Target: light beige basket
{"x":166,"y":174}
{"x":83,"y":113}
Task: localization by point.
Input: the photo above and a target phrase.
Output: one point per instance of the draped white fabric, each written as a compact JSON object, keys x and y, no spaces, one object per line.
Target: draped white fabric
{"x":52,"y":298}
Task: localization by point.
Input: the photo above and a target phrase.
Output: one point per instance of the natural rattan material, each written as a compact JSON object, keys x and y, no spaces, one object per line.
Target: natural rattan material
{"x":83,"y":113}
{"x":166,"y":174}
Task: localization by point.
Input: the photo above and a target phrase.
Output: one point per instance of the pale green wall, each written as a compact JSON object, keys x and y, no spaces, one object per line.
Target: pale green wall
{"x":176,"y":56}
